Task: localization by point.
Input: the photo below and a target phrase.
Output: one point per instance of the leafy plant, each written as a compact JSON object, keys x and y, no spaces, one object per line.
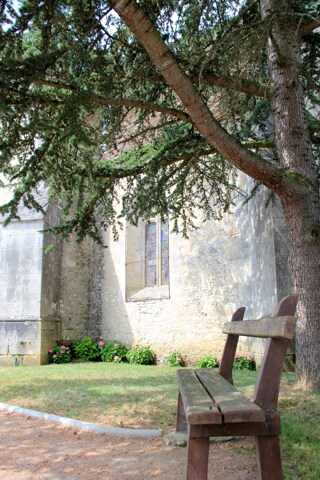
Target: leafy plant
{"x":141,"y":355}
{"x":59,"y":354}
{"x":208,"y":361}
{"x":174,"y":359}
{"x":86,"y":349}
{"x":244,"y":362}
{"x":113,"y":351}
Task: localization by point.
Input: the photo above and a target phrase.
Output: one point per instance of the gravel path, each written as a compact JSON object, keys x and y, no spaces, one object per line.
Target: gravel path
{"x":33,"y":449}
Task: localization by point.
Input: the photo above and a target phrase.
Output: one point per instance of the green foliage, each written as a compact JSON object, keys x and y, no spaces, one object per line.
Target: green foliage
{"x":73,"y":78}
{"x":141,"y":355}
{"x":300,"y":436}
{"x":59,"y":354}
{"x":113,"y":351}
{"x":244,"y":362}
{"x":86,"y":349}
{"x":49,"y":248}
{"x":208,"y":361}
{"x":174,"y":359}
{"x":68,"y":90}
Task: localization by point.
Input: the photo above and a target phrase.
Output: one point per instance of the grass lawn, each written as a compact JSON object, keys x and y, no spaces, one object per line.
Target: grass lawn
{"x":145,"y":397}
{"x":106,"y":393}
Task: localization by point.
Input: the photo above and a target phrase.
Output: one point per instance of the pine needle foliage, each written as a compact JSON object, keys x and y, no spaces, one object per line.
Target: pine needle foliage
{"x":85,"y":113}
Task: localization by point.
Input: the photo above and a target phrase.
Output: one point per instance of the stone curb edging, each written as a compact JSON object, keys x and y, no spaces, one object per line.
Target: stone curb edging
{"x":90,"y":427}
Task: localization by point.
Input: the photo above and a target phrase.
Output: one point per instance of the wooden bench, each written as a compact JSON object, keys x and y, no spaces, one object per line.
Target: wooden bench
{"x":210,"y":406}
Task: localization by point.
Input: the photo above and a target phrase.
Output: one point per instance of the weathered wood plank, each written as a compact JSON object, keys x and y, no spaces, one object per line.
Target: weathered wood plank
{"x":267,"y":327}
{"x":269,"y":457}
{"x":230,"y":348}
{"x":270,"y":427}
{"x":267,"y":386}
{"x":182,"y":425}
{"x":198,"y":406}
{"x":286,"y":306}
{"x":197,"y":460}
{"x":234,"y":406}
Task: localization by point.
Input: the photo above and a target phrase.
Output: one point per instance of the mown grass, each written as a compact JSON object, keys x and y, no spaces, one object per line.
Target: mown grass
{"x":105,"y":393}
{"x":300,"y":439}
{"x":145,"y":397}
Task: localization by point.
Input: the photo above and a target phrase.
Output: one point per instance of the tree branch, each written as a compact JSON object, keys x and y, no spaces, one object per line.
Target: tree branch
{"x":260,"y":144}
{"x":240,"y":85}
{"x":172,"y":112}
{"x":146,"y":131}
{"x":257,"y":167}
{"x":309,"y":27}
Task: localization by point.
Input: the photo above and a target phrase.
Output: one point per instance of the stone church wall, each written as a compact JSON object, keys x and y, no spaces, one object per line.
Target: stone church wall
{"x":20,"y":287}
{"x":81,"y":290}
{"x":84,"y":289}
{"x":29,"y":288}
{"x":222,"y":266}
{"x":50,"y":283}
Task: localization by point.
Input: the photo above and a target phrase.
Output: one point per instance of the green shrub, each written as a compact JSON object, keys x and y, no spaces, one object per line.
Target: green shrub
{"x":141,"y":355}
{"x":113,"y":351}
{"x":60,"y":354}
{"x":208,"y":361}
{"x":174,"y":359}
{"x":244,"y":362}
{"x":86,"y":349}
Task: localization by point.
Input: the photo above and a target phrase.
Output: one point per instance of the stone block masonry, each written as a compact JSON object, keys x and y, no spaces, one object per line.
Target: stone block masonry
{"x":84,"y":289}
{"x":220,"y":267}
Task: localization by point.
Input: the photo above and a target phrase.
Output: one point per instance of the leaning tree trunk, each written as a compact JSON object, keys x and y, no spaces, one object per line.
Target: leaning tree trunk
{"x":295,"y":183}
{"x":302,"y":212}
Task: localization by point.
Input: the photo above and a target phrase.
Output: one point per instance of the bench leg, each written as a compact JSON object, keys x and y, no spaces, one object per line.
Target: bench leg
{"x":268,"y":457}
{"x":198,"y":456}
{"x":181,"y":417}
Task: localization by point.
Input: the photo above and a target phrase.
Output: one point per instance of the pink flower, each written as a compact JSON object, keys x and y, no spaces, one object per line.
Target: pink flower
{"x":54,"y":356}
{"x":116,"y":345}
{"x":67,"y":348}
{"x":62,"y":346}
{"x":50,"y":351}
{"x":116,"y":358}
{"x":248,"y":357}
{"x":101,"y":344}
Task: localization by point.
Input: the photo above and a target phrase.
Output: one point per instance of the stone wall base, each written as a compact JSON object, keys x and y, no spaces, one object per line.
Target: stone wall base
{"x":26,"y":342}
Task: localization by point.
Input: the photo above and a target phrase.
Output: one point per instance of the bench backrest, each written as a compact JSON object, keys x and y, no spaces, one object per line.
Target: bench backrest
{"x":278,"y":330}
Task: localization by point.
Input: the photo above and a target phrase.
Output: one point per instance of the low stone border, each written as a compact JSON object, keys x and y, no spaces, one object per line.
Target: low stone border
{"x":90,"y":427}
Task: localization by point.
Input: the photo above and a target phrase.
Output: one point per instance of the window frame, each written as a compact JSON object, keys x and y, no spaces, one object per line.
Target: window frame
{"x":159,"y":253}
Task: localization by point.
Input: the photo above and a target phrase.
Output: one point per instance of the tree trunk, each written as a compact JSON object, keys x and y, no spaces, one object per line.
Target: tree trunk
{"x":302,"y":213}
{"x":202,"y":118}
{"x":302,"y":219}
{"x":295,"y":183}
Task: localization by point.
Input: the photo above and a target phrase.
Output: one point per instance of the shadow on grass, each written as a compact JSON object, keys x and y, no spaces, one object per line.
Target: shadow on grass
{"x":110,"y":394}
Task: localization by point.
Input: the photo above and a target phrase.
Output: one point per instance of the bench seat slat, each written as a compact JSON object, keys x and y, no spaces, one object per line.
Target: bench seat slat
{"x":275,"y":327}
{"x":234,"y":406}
{"x":199,"y":407}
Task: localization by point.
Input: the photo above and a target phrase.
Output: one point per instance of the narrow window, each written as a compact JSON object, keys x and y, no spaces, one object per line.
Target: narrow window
{"x":151,"y":254}
{"x":164,"y":252}
{"x":156,"y":253}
